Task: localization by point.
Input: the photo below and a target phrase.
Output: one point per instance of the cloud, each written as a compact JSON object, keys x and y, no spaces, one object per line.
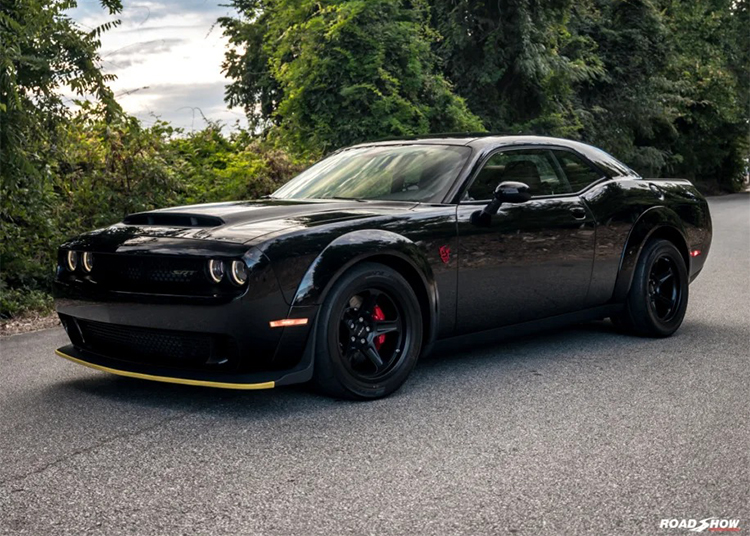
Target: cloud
{"x":185,"y":106}
{"x":170,"y":47}
{"x":140,"y":52}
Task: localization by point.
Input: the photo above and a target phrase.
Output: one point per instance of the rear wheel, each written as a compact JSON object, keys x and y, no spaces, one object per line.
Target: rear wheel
{"x":657,"y":301}
{"x":369,"y":334}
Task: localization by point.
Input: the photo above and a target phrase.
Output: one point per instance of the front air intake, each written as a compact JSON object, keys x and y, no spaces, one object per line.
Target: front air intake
{"x":201,"y":351}
{"x":168,"y":219}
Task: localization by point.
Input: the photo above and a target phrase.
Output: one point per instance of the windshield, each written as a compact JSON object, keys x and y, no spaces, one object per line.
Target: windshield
{"x":398,"y":173}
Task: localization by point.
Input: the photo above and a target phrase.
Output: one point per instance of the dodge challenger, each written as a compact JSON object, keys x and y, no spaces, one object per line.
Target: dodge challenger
{"x":363,"y":262}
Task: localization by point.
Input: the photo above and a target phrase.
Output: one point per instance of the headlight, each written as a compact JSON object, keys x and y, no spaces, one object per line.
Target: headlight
{"x":87,"y":260}
{"x":238,"y":273}
{"x":216,"y":270}
{"x":71,"y":261}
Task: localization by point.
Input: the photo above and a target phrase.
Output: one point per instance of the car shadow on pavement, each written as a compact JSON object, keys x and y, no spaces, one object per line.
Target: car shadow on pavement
{"x":124,"y":390}
{"x":457,"y":364}
{"x":443,"y":371}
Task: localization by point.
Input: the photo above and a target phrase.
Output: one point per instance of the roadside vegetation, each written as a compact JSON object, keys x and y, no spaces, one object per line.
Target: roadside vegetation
{"x":662,"y":84}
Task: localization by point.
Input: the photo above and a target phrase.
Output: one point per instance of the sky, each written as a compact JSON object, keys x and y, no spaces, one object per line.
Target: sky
{"x":167,"y":57}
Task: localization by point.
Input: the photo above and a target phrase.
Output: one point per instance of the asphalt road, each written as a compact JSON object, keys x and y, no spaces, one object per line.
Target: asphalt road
{"x":578,"y":431}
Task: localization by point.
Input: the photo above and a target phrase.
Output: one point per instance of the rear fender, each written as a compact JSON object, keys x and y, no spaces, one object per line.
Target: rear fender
{"x":655,"y":222}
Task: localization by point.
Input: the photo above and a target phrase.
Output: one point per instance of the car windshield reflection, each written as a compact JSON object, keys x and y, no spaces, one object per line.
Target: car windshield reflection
{"x":418,"y":173}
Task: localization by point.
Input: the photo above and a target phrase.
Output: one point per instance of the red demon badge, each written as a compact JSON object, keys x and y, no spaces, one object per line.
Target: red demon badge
{"x":445,"y":254}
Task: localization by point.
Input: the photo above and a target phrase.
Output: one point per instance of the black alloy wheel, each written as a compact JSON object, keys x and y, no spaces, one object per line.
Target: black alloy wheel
{"x":371,"y":341}
{"x":369,"y":334}
{"x":658,"y":296}
{"x":664,"y":290}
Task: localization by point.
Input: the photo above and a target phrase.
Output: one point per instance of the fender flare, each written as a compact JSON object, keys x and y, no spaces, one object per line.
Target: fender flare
{"x":358,"y":246}
{"x":657,"y":221}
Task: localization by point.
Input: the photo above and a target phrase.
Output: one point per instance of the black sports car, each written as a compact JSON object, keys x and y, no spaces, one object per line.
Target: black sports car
{"x":350,"y":271}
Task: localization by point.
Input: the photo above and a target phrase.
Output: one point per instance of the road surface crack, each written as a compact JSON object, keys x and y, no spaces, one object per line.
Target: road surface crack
{"x":97,"y":445}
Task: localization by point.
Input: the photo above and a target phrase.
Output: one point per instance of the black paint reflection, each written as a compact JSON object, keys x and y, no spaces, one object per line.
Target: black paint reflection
{"x":530,"y":260}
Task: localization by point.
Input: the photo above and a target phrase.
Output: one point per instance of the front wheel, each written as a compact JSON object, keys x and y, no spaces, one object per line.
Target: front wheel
{"x":369,"y":334}
{"x":657,"y":301}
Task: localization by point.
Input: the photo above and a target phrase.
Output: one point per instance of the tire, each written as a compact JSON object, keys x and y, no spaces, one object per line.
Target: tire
{"x":368,"y":334}
{"x":658,"y":296}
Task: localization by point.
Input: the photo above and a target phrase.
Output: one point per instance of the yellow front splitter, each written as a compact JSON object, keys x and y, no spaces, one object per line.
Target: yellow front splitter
{"x":168,"y":379}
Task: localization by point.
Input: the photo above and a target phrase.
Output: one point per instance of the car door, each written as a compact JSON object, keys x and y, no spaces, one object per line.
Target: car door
{"x":530,"y":260}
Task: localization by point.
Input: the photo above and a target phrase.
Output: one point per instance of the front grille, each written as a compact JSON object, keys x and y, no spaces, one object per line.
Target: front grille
{"x":153,"y":346}
{"x":143,"y":273}
{"x":157,"y":276}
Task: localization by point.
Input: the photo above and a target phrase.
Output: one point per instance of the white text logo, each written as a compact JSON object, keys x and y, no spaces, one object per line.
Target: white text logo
{"x":710,"y":524}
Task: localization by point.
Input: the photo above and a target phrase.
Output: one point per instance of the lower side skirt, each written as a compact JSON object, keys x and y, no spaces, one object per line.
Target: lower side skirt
{"x":532,"y":326}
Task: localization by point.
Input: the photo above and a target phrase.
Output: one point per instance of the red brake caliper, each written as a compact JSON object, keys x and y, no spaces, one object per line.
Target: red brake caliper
{"x":378,"y":314}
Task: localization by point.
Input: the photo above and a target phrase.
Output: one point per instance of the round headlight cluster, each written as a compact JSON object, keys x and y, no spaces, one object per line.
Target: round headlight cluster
{"x":216,"y":270}
{"x":74,"y":259}
{"x":71,"y":260}
{"x":237,"y":272}
{"x":87,"y":260}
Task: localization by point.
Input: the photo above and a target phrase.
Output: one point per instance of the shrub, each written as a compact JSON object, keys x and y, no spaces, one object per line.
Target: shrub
{"x":104,"y":170}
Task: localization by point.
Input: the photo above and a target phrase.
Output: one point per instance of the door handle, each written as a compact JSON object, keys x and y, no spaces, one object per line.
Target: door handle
{"x":578,"y":213}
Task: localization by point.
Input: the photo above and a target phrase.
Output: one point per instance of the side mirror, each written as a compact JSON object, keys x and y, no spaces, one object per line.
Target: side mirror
{"x":512,"y":192}
{"x":506,"y":192}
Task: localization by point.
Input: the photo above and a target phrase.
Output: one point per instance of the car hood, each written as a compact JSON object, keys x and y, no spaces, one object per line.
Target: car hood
{"x":243,"y":221}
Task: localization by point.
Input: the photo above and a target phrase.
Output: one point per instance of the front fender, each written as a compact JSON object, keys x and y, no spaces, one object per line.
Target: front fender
{"x":655,"y":220}
{"x":379,"y":246}
{"x":355,"y":247}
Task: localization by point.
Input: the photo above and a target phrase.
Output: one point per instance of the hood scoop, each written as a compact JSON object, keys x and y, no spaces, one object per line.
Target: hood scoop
{"x":173,"y":219}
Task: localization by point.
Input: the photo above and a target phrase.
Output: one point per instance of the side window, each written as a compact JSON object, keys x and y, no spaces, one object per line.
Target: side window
{"x":534,"y":167}
{"x":577,"y":171}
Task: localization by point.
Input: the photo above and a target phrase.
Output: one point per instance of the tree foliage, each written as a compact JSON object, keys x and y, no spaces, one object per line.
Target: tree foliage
{"x":712,"y":69}
{"x":342,"y":72}
{"x":631,"y":110}
{"x":41,"y":52}
{"x":108,"y":169}
{"x":662,"y":84}
{"x":246,"y":64}
{"x":105,"y":168}
{"x":516,"y":63}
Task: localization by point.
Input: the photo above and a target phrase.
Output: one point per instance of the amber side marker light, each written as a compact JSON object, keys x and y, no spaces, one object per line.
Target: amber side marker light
{"x":288,"y":322}
{"x":695,"y":253}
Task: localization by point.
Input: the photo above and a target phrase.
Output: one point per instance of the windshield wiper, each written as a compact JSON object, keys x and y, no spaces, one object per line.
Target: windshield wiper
{"x":346,"y":198}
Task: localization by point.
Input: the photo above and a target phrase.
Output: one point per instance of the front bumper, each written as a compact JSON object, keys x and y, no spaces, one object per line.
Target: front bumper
{"x":144,"y":311}
{"x":243,"y":351}
{"x":264,"y":357}
{"x":260,"y":380}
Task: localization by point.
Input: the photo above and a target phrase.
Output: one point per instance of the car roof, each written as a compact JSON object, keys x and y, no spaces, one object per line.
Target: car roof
{"x":477,"y":140}
{"x":484,"y":141}
{"x":437,"y":139}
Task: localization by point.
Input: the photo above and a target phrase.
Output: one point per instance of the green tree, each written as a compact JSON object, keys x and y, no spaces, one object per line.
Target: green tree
{"x":334,"y":73}
{"x":217,"y":167}
{"x":631,"y":110}
{"x":253,"y":86}
{"x":516,"y":63}
{"x":41,"y":52}
{"x":106,"y":168}
{"x":712,"y":70}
